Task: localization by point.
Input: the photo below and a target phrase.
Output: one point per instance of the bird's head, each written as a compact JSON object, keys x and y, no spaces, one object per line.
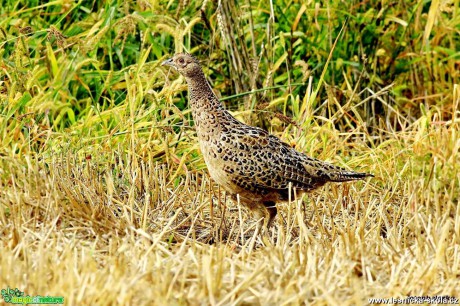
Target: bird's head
{"x":185,"y":64}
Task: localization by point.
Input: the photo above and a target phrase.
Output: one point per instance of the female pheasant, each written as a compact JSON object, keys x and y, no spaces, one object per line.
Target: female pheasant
{"x":247,"y":160}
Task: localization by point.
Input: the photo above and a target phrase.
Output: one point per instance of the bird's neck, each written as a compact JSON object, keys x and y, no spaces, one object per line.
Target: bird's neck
{"x":201,"y":96}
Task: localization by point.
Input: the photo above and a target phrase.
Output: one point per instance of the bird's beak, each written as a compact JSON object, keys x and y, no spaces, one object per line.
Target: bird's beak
{"x":168,"y":62}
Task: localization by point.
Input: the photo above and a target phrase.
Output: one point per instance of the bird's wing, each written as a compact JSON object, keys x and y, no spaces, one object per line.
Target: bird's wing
{"x":272,"y":164}
{"x":267,"y":162}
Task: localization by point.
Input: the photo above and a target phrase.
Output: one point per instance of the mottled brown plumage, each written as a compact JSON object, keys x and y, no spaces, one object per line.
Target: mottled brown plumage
{"x":246,"y":160}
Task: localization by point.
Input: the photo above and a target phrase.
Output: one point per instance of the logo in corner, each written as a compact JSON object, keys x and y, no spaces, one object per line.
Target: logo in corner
{"x":16,"y":296}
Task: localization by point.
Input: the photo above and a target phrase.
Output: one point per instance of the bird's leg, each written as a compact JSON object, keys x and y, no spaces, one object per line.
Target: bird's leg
{"x":264,"y":212}
{"x":272,"y":211}
{"x":261,"y":214}
{"x":267,"y":212}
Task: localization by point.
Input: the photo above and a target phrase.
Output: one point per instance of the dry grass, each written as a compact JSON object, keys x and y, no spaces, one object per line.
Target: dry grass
{"x":120,"y":229}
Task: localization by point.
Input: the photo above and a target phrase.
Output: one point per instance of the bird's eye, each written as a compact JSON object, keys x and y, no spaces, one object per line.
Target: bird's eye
{"x":181,"y":61}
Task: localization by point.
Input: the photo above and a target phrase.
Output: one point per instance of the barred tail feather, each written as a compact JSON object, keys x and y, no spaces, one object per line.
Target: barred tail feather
{"x":345,"y":176}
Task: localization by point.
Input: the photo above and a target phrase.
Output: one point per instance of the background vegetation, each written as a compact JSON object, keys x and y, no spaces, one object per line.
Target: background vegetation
{"x":103,"y":196}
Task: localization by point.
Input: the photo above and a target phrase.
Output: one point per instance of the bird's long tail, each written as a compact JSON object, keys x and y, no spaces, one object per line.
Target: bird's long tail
{"x":343,"y":176}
